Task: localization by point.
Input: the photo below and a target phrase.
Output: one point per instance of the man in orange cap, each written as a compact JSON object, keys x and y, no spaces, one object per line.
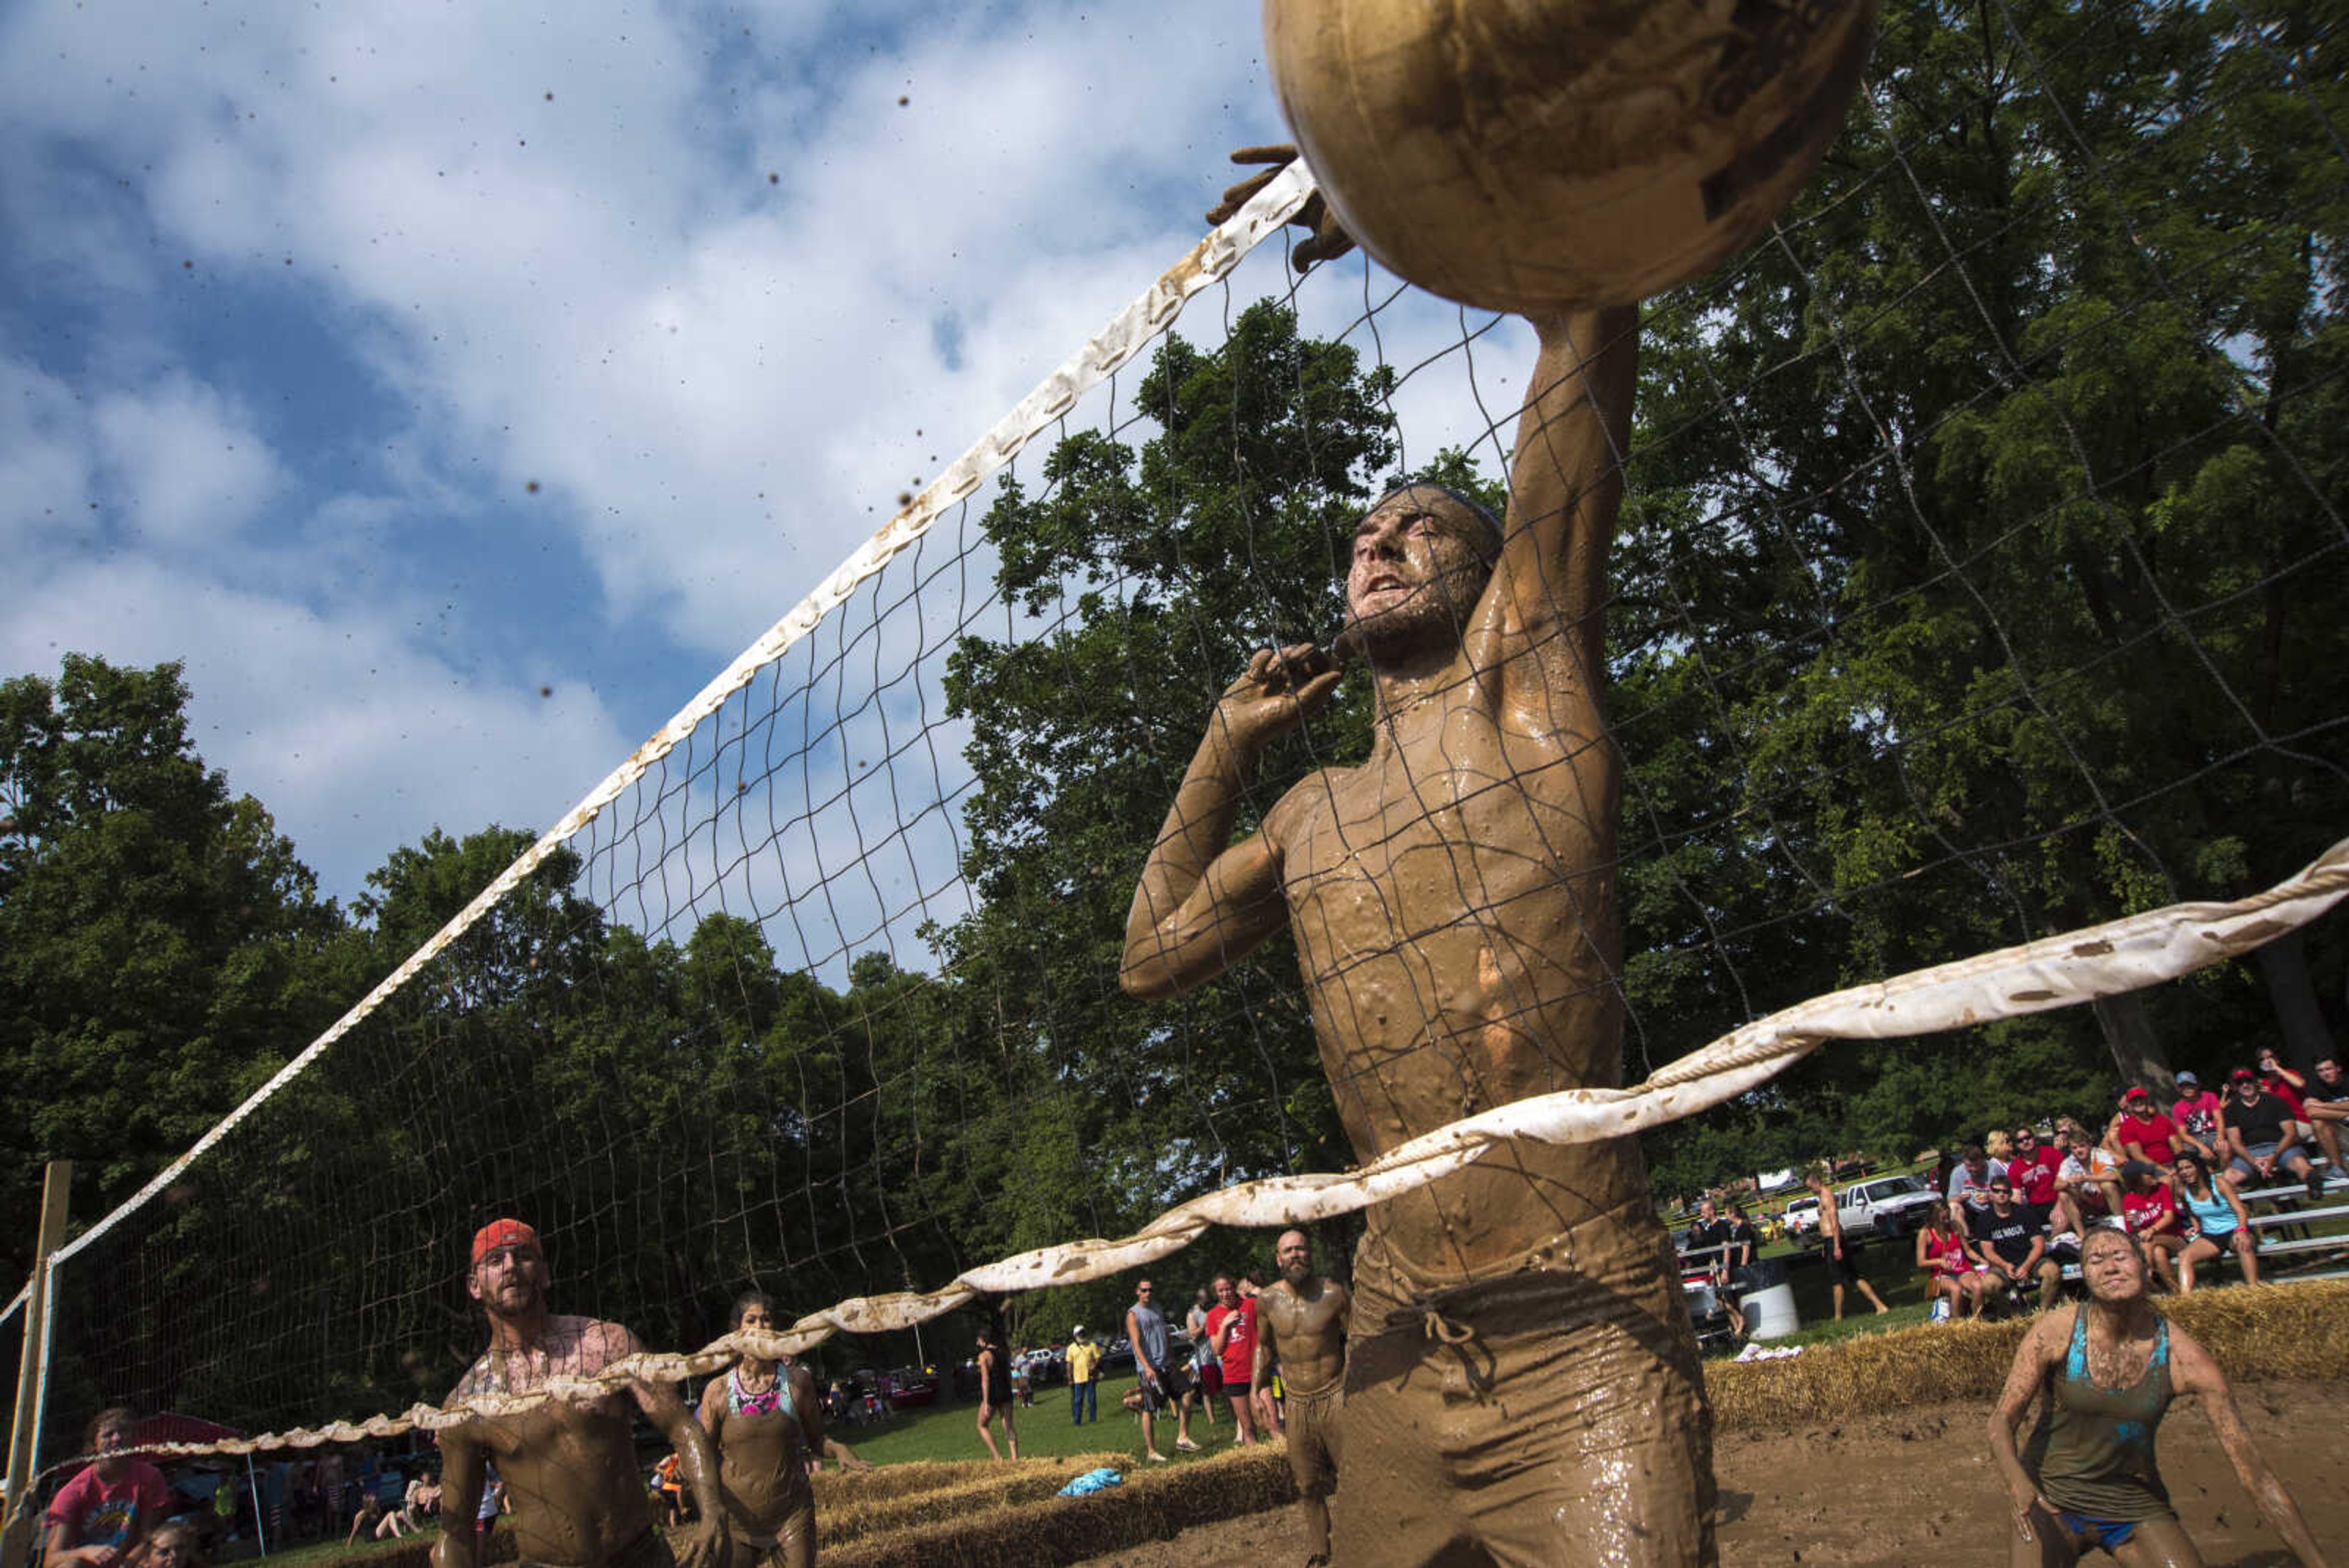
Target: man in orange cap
{"x":570,"y":1467}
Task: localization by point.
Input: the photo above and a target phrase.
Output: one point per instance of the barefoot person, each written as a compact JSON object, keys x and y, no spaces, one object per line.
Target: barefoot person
{"x":1842,"y":1256}
{"x":2104,"y":1373}
{"x":1302,"y":1325}
{"x":995,"y":1393}
{"x":569,"y":1467}
{"x":1454,"y":903}
{"x":765,"y":1421}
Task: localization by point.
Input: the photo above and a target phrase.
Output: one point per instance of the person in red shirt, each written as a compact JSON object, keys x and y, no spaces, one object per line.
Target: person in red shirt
{"x":1231,"y":1331}
{"x":2151,"y":1213}
{"x":2141,"y":1132}
{"x":2196,"y":1117}
{"x":102,"y":1514}
{"x":2034,"y":1167}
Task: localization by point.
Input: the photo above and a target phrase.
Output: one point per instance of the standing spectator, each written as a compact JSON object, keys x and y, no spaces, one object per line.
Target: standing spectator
{"x":2011,"y":1246}
{"x":1231,"y":1330}
{"x":2215,"y":1223}
{"x":1738,"y":1264}
{"x":2139,"y":1132}
{"x":1942,"y":1254}
{"x":2151,"y":1214}
{"x":2261,"y":1138}
{"x":1206,"y":1371}
{"x":1084,"y":1366}
{"x":1841,"y":1254}
{"x":995,"y":1393}
{"x":1162,"y":1383}
{"x":2327,"y":1107}
{"x":1969,"y":1190}
{"x":101,"y":1515}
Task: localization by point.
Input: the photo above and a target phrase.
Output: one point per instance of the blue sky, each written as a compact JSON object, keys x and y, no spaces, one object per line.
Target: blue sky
{"x":455,"y":389}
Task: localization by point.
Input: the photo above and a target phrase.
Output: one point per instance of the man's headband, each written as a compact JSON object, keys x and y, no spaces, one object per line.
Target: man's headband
{"x":501,"y":1234}
{"x":1477,"y":508}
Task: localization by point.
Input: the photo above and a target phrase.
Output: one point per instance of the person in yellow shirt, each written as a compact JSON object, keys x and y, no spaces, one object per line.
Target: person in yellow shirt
{"x":1084,"y":1366}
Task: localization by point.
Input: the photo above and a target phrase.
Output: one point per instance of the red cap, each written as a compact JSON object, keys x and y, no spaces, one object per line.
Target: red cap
{"x":501,"y":1234}
{"x":2137,"y":1095}
{"x":2241,"y":1075}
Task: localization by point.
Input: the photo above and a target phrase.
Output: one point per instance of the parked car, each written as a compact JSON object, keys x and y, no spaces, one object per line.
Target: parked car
{"x":908,"y":1388}
{"x":1892,"y":1206}
{"x":1802,"y":1216}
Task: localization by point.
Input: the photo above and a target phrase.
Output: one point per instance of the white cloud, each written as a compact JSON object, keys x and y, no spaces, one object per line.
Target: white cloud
{"x":355,"y":739}
{"x":190,"y":468}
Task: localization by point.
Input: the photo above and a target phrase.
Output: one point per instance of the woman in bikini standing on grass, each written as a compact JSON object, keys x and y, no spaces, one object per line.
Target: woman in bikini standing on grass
{"x":2106,"y":1372}
{"x":766,"y":1423}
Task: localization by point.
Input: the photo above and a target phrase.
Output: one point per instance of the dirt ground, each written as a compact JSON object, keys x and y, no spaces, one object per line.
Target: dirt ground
{"x":1918,"y":1488}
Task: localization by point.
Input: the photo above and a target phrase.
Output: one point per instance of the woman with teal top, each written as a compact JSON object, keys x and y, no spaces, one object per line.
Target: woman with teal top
{"x":766,"y":1424}
{"x":2215,"y":1223}
{"x":2105,"y":1373}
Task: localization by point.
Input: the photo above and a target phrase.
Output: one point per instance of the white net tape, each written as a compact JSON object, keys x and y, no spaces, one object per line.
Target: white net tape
{"x":2064,"y":971}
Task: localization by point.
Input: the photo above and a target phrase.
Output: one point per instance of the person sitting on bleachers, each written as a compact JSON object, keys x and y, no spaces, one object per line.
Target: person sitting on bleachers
{"x":2195,"y":1114}
{"x":2327,"y":1105}
{"x":2261,"y":1137}
{"x":2140,"y":1132}
{"x":1969,"y":1190}
{"x":2011,"y":1246}
{"x":2216,"y":1223}
{"x":2149,"y":1211}
{"x":2089,"y":1179}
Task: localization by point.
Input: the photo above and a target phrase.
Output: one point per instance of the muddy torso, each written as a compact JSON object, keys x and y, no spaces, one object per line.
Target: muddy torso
{"x":1455,"y":907}
{"x":570,"y":1469}
{"x":1307,"y":1334}
{"x":762,"y":1465}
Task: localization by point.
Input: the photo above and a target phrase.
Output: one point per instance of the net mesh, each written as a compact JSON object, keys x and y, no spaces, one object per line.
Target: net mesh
{"x":1978,"y":579}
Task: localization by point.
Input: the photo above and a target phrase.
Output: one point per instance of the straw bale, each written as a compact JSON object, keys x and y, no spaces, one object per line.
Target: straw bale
{"x":1153,"y":1504}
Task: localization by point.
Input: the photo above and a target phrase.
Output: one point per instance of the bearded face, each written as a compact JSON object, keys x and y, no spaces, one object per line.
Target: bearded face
{"x":1420,"y":561}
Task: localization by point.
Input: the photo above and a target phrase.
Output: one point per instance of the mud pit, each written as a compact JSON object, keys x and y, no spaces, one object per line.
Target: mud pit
{"x":1918,"y":1488}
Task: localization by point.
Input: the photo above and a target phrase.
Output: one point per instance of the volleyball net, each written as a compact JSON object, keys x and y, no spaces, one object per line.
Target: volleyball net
{"x":1973,"y":642}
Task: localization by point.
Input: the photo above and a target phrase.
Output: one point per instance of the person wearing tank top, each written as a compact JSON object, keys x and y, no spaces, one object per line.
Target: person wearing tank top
{"x":2104,"y":1374}
{"x":2217,"y":1224}
{"x":766,"y":1423}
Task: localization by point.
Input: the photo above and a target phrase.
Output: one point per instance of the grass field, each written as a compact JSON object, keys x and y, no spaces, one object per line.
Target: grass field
{"x":949,"y":1433}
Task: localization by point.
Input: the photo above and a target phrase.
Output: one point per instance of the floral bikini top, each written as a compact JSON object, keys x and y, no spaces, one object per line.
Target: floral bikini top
{"x":769,"y":1401}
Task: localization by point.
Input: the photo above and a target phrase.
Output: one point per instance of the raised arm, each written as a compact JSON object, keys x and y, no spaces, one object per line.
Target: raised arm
{"x":2196,"y":1373}
{"x":1204,"y":902}
{"x":1566,"y":481}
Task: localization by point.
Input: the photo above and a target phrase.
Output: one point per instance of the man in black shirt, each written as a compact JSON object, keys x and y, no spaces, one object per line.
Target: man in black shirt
{"x":1744,"y":1244}
{"x":2010,"y":1240}
{"x":2256,"y":1133}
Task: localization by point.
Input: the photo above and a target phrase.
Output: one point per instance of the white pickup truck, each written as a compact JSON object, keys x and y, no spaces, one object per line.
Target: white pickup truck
{"x":1885,"y":1205}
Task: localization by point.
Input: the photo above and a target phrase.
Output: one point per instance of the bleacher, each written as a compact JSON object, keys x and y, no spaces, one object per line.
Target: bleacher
{"x":2327,"y":1256}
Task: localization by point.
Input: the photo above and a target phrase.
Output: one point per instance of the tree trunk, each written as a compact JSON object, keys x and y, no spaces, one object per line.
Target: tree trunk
{"x":2284,"y":965}
{"x":2136,"y":1049}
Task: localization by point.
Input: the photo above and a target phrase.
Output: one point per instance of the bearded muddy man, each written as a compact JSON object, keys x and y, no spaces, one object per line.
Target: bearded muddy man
{"x":1300,"y":1325}
{"x":1522,"y":1387}
{"x":570,"y":1467}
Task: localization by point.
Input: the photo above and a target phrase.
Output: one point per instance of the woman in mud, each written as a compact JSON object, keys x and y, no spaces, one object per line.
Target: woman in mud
{"x":766,"y":1421}
{"x":2105,"y":1372}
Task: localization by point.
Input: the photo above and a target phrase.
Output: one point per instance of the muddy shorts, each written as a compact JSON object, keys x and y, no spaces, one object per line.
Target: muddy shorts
{"x":1314,"y":1421}
{"x":1550,"y":1416}
{"x":646,"y":1551}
